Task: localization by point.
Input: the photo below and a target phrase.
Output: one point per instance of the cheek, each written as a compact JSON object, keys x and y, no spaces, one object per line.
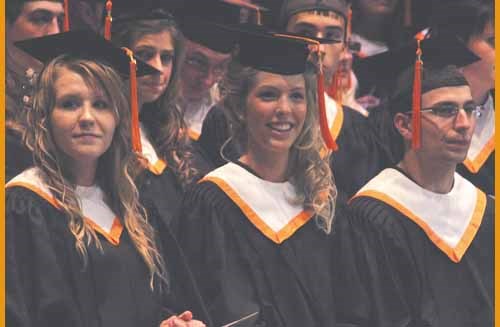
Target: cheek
{"x":167,"y":72}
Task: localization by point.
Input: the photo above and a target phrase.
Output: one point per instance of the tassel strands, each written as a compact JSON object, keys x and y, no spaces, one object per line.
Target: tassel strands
{"x":66,"y":16}
{"x":134,"y":105}
{"x":108,"y":20}
{"x":417,"y":97}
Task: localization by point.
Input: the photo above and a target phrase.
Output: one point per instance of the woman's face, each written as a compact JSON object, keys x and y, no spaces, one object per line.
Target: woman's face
{"x":82,"y":120}
{"x":158,"y":51}
{"x":276,"y":108}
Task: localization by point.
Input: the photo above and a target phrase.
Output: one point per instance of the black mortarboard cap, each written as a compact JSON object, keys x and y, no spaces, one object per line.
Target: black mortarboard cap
{"x":275,"y":54}
{"x":82,"y":44}
{"x":436,"y":53}
{"x":292,"y":7}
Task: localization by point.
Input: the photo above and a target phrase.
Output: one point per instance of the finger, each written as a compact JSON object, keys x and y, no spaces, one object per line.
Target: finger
{"x":186,"y":315}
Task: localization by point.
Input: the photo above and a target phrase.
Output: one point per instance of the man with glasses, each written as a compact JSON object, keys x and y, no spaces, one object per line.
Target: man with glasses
{"x":419,"y":247}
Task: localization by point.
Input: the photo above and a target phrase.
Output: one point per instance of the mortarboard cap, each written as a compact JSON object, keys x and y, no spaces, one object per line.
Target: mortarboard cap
{"x":423,"y":55}
{"x":292,"y":7}
{"x":89,"y":45}
{"x":84,"y":44}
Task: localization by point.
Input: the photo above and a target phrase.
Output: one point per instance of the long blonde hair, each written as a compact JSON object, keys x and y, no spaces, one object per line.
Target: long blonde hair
{"x":308,"y":166}
{"x":115,"y":168}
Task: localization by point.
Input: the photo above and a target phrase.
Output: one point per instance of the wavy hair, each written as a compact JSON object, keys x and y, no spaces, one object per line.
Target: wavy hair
{"x":163,"y":118}
{"x":115,"y":168}
{"x":308,"y":164}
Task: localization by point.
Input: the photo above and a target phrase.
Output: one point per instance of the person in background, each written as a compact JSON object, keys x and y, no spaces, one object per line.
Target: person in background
{"x":24,"y":20}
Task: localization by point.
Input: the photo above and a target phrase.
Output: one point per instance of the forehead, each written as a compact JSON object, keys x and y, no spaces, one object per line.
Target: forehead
{"x":161,"y":40}
{"x":458,"y":94}
{"x":316,"y":19}
{"x":206,"y":53}
{"x":69,"y":81}
{"x":276,"y":80}
{"x":55,"y":7}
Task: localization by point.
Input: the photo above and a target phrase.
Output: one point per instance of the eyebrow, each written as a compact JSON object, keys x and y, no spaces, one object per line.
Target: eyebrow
{"x":41,"y":11}
{"x":312,"y":26}
{"x":150,"y":47}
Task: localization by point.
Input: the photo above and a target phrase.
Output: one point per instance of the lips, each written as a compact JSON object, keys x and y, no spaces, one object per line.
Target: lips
{"x":86,"y":136}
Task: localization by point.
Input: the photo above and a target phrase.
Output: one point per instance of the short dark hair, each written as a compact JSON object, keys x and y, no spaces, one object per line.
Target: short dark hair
{"x":463,"y":18}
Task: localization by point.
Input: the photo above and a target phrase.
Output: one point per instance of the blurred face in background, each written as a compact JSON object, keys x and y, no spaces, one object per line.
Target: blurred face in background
{"x":37,"y":19}
{"x":325,"y":25}
{"x":201,"y":69}
{"x":376,"y":7}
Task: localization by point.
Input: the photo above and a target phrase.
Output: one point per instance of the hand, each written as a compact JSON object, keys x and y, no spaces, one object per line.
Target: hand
{"x":185,"y":319}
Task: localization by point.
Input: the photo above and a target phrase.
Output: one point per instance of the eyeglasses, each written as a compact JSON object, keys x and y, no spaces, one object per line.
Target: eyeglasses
{"x":451,"y":109}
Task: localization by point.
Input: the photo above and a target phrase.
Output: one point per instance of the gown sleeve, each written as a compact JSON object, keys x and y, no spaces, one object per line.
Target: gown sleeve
{"x":379,"y":281}
{"x":35,"y":295}
{"x":214,"y":256}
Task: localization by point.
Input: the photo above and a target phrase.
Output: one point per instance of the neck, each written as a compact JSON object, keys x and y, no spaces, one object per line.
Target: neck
{"x":371,"y":28}
{"x":271,"y":168}
{"x":84,"y":173}
{"x":431,"y":175}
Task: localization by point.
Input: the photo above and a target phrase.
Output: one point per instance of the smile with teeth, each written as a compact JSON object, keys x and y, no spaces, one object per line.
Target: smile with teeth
{"x":281,"y":126}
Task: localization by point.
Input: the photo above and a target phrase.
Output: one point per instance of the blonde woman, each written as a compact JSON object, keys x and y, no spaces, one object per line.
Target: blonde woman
{"x":256,"y":230}
{"x":81,"y":249}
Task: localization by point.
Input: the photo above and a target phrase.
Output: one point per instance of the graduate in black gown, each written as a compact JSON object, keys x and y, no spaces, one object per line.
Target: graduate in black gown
{"x":81,"y":250}
{"x":152,"y":34}
{"x":360,"y":153}
{"x":418,"y":249}
{"x":256,"y":230}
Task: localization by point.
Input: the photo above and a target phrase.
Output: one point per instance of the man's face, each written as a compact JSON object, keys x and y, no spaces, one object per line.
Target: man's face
{"x":37,"y":18}
{"x":330,"y":27}
{"x":202,"y":68}
{"x":447,"y":139}
{"x":481,"y":74}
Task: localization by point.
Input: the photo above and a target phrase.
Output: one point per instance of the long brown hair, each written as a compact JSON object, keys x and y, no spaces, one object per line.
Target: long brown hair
{"x":308,"y":164}
{"x":115,"y":167}
{"x":163,"y":119}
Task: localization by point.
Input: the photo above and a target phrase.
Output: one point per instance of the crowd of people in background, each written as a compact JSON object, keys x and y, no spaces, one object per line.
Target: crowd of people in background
{"x":289,"y":163}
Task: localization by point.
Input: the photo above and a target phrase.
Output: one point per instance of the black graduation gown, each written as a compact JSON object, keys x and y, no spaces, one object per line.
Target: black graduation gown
{"x":393,"y":275}
{"x":484,"y":179}
{"x":162,"y":192}
{"x":17,"y":156}
{"x":240,"y":271}
{"x":47,"y":285}
{"x":360,"y":157}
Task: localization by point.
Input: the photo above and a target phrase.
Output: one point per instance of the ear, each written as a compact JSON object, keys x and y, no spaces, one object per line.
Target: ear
{"x":402,"y":123}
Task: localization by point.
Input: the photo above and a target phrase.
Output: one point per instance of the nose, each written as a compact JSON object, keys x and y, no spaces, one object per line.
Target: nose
{"x":284,"y":105}
{"x":155,"y":62}
{"x":86,"y":118}
{"x":463,"y":121}
{"x":209,"y":78}
{"x":53,"y":27}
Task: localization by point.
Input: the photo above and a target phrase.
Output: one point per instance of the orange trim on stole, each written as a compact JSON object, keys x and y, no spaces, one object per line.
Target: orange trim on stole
{"x":286,"y":232}
{"x":114,"y":234}
{"x":193,"y":135}
{"x":475,"y":165}
{"x":158,"y":167}
{"x":455,"y":254}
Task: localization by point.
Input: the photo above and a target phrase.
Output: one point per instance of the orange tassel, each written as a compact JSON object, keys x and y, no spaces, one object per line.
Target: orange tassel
{"x":417,"y":99}
{"x":134,"y":105}
{"x":349,"y":23}
{"x":323,"y":120}
{"x":108,"y":20}
{"x":335,"y":88}
{"x":407,"y":13}
{"x":66,"y":16}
